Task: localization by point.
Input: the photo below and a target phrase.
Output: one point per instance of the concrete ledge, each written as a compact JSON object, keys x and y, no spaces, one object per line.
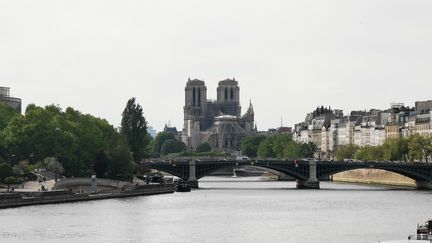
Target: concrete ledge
{"x":11,"y":200}
{"x":85,"y":184}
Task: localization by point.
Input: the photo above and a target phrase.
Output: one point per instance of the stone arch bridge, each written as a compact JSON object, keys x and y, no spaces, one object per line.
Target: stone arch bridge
{"x":307,"y":173}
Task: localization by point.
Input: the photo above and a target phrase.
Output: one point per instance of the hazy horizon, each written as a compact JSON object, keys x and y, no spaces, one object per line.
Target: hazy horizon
{"x":289,"y":57}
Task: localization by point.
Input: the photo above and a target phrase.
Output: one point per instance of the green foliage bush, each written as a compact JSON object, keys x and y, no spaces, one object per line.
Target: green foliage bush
{"x":5,"y":171}
{"x":159,"y":140}
{"x":204,"y":147}
{"x":11,"y":180}
{"x":172,"y":146}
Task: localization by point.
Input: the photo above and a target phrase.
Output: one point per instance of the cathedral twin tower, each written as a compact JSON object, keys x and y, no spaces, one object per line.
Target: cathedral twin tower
{"x":217,"y":122}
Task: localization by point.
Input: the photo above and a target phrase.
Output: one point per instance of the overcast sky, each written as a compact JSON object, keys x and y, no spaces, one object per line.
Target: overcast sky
{"x":288,"y":56}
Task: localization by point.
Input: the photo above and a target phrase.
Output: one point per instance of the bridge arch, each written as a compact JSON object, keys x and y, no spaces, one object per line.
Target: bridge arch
{"x":413,"y":173}
{"x":207,"y":170}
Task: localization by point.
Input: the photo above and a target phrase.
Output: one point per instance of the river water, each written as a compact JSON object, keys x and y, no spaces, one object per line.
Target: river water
{"x":229,"y":210}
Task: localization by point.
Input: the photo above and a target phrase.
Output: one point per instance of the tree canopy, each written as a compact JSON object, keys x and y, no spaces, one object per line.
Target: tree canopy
{"x":204,"y":147}
{"x":172,"y":146}
{"x":74,"y":139}
{"x":249,"y":145}
{"x":283,"y":146}
{"x":134,"y":128}
{"x":159,"y":140}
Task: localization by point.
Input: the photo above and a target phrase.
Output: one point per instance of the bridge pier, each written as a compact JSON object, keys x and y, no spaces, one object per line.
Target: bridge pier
{"x":312,"y":182}
{"x":424,"y":185}
{"x":192,"y":180}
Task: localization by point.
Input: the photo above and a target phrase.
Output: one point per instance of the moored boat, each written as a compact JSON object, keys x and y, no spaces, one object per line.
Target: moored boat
{"x":183,"y":187}
{"x":424,"y":232}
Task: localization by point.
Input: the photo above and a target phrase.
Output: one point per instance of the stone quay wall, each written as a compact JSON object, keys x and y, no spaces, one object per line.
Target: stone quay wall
{"x":84,"y":184}
{"x":10,"y":200}
{"x":374,"y":176}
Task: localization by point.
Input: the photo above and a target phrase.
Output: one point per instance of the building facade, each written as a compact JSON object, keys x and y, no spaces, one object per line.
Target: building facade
{"x":363,"y":128}
{"x":6,"y":99}
{"x":217,"y":122}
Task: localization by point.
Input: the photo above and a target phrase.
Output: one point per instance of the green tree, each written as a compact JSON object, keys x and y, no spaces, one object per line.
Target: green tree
{"x":265,"y":149}
{"x":428,"y":148}
{"x":22,"y":168}
{"x":172,"y":146}
{"x":7,"y":113}
{"x":392,"y":149}
{"x":160,"y":139}
{"x":121,"y":164}
{"x":100,"y":164}
{"x":54,"y":166}
{"x":307,"y":150}
{"x":70,"y":136}
{"x":416,"y":147}
{"x":134,"y":128}
{"x":280,"y":141}
{"x":367,"y":153}
{"x":5,"y":171}
{"x":292,"y":150}
{"x":249,"y":145}
{"x":345,"y":152}
{"x":204,"y":147}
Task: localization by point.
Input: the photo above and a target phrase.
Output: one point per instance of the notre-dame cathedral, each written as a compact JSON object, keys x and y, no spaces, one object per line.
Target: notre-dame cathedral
{"x":217,"y":122}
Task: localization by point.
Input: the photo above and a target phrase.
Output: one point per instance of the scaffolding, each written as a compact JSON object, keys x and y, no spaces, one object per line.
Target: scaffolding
{"x":5,"y":91}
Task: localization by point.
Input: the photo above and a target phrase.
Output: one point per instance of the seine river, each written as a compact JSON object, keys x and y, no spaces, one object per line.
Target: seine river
{"x":229,"y":210}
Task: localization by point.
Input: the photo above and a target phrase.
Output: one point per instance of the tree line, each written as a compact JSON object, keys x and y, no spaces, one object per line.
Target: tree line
{"x":70,"y":143}
{"x":415,"y":148}
{"x":275,"y":146}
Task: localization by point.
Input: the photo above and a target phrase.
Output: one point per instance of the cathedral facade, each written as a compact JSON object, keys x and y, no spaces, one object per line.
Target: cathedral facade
{"x":219,"y":122}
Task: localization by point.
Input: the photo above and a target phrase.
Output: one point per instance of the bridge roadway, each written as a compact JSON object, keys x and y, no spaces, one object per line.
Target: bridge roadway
{"x":307,"y":173}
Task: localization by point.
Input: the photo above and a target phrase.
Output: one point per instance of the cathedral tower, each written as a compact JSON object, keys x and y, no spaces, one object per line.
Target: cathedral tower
{"x":228,"y":97}
{"x":194,"y":109}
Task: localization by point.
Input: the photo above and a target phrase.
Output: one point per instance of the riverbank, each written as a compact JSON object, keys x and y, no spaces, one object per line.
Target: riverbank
{"x":372,"y":176}
{"x":19,"y":199}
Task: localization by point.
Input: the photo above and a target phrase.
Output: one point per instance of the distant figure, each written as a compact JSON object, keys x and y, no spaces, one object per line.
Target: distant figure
{"x":43,"y":188}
